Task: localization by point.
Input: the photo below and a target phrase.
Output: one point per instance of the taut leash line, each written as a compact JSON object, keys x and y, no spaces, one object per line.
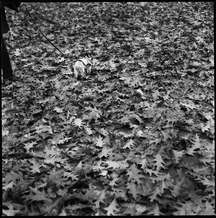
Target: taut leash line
{"x":44,"y":35}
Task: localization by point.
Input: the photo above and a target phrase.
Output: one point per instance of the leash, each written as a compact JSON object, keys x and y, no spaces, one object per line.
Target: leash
{"x":44,"y":35}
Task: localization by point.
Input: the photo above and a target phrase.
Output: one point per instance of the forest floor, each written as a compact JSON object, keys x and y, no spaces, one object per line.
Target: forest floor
{"x":135,"y":136}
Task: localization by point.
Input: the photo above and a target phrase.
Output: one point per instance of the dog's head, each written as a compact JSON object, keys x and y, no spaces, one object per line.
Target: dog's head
{"x":88,"y":63}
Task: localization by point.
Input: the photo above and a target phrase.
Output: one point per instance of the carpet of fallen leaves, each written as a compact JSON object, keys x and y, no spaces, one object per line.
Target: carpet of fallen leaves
{"x":136,"y":136}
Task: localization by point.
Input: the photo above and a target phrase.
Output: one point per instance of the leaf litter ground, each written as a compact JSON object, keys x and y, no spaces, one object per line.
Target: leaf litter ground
{"x":136,"y":136}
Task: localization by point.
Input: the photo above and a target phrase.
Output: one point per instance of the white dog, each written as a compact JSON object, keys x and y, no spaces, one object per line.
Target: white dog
{"x":82,"y":66}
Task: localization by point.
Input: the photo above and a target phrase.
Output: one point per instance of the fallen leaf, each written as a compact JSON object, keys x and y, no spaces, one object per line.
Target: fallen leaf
{"x":112,"y":209}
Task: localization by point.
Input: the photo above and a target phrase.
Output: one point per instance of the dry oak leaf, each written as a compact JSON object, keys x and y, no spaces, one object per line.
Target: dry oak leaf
{"x":117,"y":164}
{"x":99,"y":142}
{"x":159,"y":162}
{"x":133,"y":174}
{"x":105,"y":152}
{"x":100,"y":198}
{"x":129,"y":144}
{"x":78,"y":122}
{"x":112,"y":208}
{"x":10,"y":211}
{"x":132,"y":188}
